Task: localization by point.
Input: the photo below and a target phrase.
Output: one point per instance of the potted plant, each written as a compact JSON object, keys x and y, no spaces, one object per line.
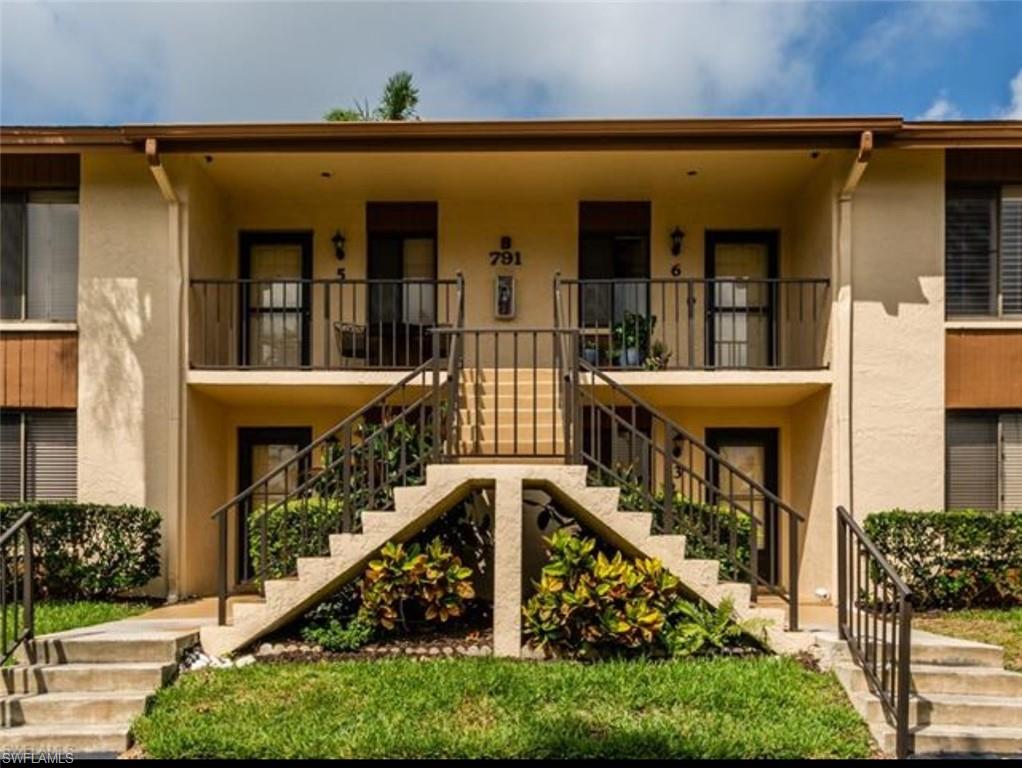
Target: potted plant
{"x":590,"y":350}
{"x":658,"y":358}
{"x":631,"y":338}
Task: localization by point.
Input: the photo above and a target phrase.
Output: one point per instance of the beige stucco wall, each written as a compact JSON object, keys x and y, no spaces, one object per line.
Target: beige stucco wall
{"x":897,"y":388}
{"x":126,"y":312}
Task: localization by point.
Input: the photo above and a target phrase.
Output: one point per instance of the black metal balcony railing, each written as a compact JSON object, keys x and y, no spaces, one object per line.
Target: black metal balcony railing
{"x":698,"y":323}
{"x":325,"y":324}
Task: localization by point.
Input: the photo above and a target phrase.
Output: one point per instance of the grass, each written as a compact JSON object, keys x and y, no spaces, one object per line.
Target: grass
{"x":725,"y":708}
{"x":60,"y":615}
{"x":997,"y":626}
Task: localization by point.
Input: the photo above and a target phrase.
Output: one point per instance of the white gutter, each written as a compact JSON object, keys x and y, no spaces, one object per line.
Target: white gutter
{"x":174,"y":524}
{"x":844,"y":333}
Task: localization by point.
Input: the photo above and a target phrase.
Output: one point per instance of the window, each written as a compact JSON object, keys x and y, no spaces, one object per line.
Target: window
{"x":983,"y":250}
{"x":983,"y":460}
{"x":39,"y":265}
{"x":38,"y":455}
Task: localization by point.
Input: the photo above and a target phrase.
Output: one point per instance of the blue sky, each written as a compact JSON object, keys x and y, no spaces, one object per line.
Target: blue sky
{"x":104,"y":63}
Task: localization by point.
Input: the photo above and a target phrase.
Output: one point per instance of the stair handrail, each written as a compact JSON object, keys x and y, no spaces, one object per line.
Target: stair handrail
{"x":17,"y":536}
{"x":319,"y":441}
{"x":675,"y":431}
{"x":568,"y":354}
{"x":300,"y":462}
{"x":453,"y":365}
{"x":874,"y":609}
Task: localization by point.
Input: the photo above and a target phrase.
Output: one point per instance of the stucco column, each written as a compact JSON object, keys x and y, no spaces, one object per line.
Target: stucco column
{"x":507,"y":570}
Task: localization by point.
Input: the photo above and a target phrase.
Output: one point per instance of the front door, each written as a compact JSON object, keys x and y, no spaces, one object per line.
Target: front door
{"x":402,"y":269}
{"x":275,"y":299}
{"x":614,"y":270}
{"x":753,"y":452}
{"x":260,"y":451}
{"x":740,"y":298}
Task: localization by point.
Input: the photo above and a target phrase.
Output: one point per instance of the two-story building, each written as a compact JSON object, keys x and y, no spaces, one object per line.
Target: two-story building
{"x":829,"y":310}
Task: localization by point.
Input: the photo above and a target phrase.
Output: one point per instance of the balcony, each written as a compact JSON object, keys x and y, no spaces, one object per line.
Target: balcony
{"x":698,"y":323}
{"x":329,"y":324}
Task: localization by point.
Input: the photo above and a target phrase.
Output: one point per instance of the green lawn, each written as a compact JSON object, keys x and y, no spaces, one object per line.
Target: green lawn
{"x":997,"y":626}
{"x":59,"y":615}
{"x":762,"y":707}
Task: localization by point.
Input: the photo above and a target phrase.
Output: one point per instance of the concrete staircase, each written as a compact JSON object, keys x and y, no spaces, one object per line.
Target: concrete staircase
{"x":416,"y":507}
{"x":510,"y":412}
{"x":80,"y":690}
{"x":963,"y":702}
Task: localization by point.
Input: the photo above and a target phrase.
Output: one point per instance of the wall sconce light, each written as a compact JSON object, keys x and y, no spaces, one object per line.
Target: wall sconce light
{"x":677,"y":238}
{"x":338,"y":241}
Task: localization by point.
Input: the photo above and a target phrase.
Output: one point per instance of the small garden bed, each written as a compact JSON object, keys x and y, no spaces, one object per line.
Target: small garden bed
{"x":473,"y":638}
{"x":995,"y":626}
{"x":399,"y":708}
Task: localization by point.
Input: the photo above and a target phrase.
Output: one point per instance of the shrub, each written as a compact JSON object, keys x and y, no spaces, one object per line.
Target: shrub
{"x":90,"y":550}
{"x":339,"y":636}
{"x":953,"y":559}
{"x":587,"y":604}
{"x":434,"y":579}
{"x":297,"y":528}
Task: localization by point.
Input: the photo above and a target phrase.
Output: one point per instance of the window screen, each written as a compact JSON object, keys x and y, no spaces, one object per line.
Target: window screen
{"x":970,"y":230}
{"x":38,"y":455}
{"x":984,"y":460}
{"x":39,"y":268}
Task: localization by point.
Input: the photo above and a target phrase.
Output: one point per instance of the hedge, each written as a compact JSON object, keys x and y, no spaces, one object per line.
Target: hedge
{"x":953,"y":559}
{"x":296,"y":528}
{"x":90,"y":550}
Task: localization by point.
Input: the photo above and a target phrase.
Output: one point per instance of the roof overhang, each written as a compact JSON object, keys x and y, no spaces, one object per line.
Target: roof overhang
{"x":516,"y":135}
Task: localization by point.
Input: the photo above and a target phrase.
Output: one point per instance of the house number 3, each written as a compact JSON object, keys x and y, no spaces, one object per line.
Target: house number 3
{"x":504,"y":255}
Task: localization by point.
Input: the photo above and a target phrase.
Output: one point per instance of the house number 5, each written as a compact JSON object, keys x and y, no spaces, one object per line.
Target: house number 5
{"x":504,"y":255}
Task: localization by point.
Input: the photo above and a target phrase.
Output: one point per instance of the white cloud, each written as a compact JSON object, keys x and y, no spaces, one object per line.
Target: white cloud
{"x":941,"y":109}
{"x":1014,"y":112}
{"x":912,"y":34}
{"x":102,"y":62}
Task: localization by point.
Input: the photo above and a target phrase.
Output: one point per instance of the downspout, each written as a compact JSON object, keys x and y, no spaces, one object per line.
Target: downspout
{"x":844,"y":274}
{"x":175,"y":349}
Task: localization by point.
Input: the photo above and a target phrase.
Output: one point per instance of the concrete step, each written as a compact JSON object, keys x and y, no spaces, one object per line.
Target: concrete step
{"x":491,"y":374}
{"x":505,"y":429}
{"x":932,"y":649}
{"x":69,"y":737}
{"x":59,"y":678}
{"x":81,"y":707}
{"x":240,"y":609}
{"x":103,"y":647}
{"x":505,"y":397}
{"x":939,"y":650}
{"x":956,"y":709}
{"x":961,"y":740}
{"x":934,"y":678}
{"x":545,"y":414}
